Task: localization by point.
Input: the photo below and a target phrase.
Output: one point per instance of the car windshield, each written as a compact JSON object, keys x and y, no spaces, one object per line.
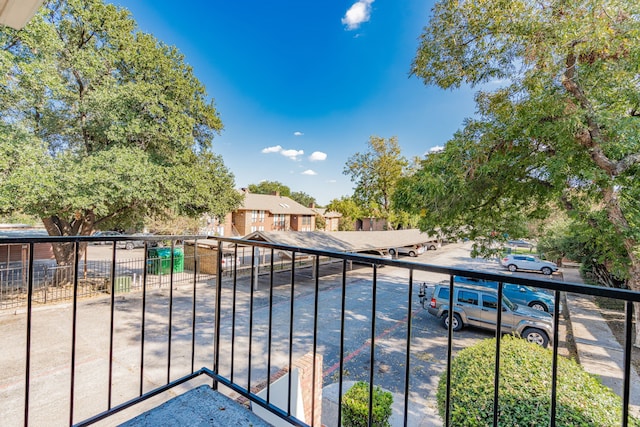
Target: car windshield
{"x":509,"y":304}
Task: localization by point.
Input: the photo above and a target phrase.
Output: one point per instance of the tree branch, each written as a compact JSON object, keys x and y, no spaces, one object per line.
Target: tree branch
{"x":592,"y":137}
{"x":113,"y":214}
{"x":624,"y":164}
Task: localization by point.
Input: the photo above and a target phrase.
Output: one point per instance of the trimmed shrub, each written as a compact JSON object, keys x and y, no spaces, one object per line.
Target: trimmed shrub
{"x":355,"y":406}
{"x":524,"y":396}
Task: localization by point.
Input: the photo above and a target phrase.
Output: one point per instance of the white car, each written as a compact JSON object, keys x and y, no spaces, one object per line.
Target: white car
{"x":528,"y":262}
{"x":411,"y":250}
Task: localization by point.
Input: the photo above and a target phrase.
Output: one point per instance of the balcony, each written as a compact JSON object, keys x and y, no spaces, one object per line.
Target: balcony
{"x":106,"y":341}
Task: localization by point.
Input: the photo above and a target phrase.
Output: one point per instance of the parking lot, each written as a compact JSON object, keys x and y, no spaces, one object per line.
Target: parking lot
{"x":51,"y":337}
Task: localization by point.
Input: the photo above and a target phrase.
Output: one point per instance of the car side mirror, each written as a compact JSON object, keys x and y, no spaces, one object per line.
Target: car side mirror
{"x":504,"y":308}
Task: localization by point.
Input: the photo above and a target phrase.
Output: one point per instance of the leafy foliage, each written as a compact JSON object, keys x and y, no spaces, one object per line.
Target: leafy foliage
{"x":355,"y":406}
{"x":103,"y":124}
{"x":303,"y":198}
{"x":524,"y":388}
{"x":321,"y":223}
{"x":601,"y":262}
{"x":376,"y":173}
{"x":270,"y":187}
{"x":558,"y":121}
{"x":349,"y":209}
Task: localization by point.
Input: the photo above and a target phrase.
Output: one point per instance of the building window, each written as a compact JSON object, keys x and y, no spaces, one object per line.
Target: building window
{"x":279,"y":221}
{"x":257,"y":216}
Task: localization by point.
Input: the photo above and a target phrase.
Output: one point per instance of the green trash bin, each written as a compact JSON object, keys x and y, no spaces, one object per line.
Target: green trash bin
{"x":159,"y":261}
{"x":178,"y":260}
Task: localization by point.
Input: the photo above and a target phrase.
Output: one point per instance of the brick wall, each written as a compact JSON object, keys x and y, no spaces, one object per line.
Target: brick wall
{"x":305,"y":368}
{"x":305,"y":365}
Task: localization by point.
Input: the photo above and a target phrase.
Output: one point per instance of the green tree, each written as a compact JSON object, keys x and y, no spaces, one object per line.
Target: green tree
{"x":303,"y":198}
{"x":321,"y":223}
{"x":102,"y":124}
{"x":270,"y":187}
{"x":349,"y":209}
{"x":376,"y":173}
{"x":561,"y":122}
{"x":584,"y":242}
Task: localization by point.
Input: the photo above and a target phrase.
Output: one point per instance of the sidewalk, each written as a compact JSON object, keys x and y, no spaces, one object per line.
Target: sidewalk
{"x":598,"y":350}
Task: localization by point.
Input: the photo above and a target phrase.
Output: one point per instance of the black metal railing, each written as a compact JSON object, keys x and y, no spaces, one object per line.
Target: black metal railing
{"x":247,"y":328}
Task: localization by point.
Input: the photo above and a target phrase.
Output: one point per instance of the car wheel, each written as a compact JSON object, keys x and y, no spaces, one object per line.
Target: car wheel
{"x":536,"y":336}
{"x":412,"y":253}
{"x":536,"y":305}
{"x":128,"y":246}
{"x":512,"y":267}
{"x":546,"y":271}
{"x":392,"y":252}
{"x":457,"y":321}
{"x":432,"y":247}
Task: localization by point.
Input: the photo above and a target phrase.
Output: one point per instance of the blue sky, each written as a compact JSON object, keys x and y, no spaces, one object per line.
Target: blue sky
{"x":301,"y":86}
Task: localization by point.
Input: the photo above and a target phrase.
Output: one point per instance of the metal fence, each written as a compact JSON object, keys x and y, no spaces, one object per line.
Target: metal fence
{"x":244,"y":327}
{"x":53,"y":284}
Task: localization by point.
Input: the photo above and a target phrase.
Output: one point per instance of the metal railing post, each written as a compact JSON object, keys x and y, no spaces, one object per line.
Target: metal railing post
{"x":218,"y":307}
{"x":27,"y":374}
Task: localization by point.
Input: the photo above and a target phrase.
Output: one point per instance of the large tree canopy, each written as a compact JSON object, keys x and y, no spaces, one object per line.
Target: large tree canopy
{"x":376,"y":173}
{"x":270,"y":187}
{"x":558,"y":122}
{"x":103,"y":123}
{"x":276,"y":187}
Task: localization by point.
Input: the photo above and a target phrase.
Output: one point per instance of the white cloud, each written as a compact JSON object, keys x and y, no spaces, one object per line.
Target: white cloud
{"x":358,"y":13}
{"x":275,"y":149}
{"x":298,"y":133}
{"x":292,"y":154}
{"x":309,"y":172}
{"x":332,"y":181}
{"x":436,"y":149}
{"x":318,"y":156}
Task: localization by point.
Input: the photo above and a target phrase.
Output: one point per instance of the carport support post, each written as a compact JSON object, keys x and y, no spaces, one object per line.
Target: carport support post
{"x":314,"y":260}
{"x":256,"y":258}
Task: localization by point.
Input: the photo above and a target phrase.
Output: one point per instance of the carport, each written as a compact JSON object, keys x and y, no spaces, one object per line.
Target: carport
{"x":344,"y":241}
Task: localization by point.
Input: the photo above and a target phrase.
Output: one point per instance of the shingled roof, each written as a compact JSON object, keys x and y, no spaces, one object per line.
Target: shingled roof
{"x":275,"y":204}
{"x":330,"y":214}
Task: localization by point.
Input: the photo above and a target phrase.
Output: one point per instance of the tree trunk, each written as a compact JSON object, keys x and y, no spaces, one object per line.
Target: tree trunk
{"x":616,"y":216}
{"x":604,"y":277}
{"x":80,"y":225}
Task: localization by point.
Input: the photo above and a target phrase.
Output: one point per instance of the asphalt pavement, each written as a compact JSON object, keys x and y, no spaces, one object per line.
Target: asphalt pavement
{"x":51,"y":340}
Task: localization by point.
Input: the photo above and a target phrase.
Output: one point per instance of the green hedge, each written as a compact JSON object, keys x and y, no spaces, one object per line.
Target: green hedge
{"x":355,"y":406}
{"x":525,"y":389}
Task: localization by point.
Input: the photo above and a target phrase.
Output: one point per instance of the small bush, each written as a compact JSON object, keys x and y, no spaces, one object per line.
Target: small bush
{"x":524,"y":397}
{"x":355,"y":406}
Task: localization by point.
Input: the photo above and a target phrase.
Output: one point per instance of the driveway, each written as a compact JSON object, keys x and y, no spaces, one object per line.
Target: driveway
{"x":51,"y":338}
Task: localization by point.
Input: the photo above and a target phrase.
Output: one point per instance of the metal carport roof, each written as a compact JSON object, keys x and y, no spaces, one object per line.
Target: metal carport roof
{"x":343,"y":241}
